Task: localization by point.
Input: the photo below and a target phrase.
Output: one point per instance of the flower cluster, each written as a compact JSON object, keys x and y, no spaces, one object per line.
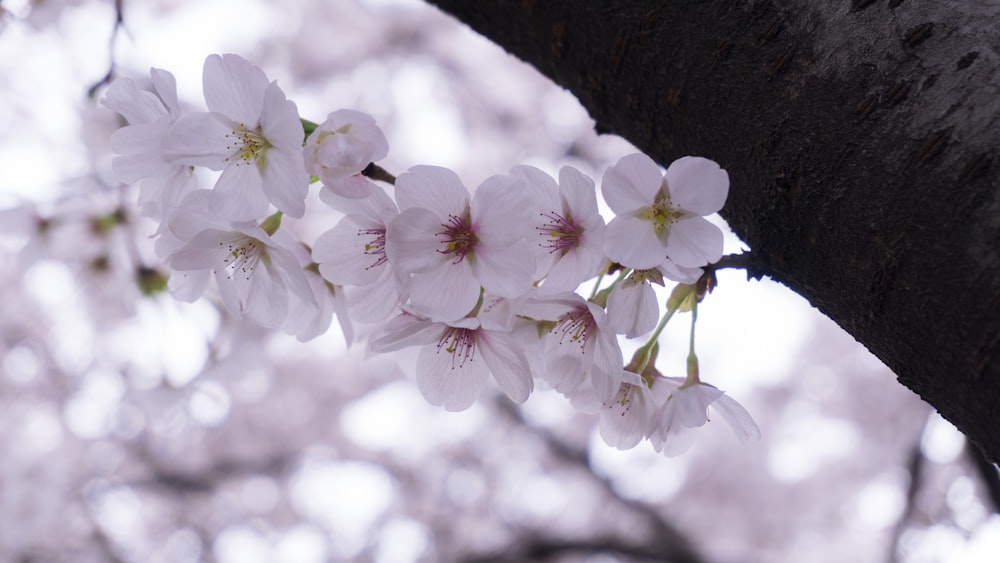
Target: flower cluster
{"x":484,"y":281}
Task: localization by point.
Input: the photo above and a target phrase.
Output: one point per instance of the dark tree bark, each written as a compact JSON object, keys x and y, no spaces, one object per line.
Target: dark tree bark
{"x":861,"y":139}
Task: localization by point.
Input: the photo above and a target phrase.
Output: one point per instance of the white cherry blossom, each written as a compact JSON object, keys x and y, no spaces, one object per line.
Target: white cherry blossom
{"x":255,"y":275}
{"x":569,"y":229}
{"x":625,"y":419}
{"x":660,"y":216}
{"x":352,"y":253}
{"x":451,"y":246}
{"x":632,"y":306}
{"x":252,"y":133}
{"x":581,"y":354}
{"x":341,"y":147}
{"x":673,"y":426}
{"x":457,"y":358}
{"x":138,"y":146}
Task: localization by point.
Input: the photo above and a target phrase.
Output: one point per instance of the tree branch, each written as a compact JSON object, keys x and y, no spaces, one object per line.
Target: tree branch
{"x":859,"y":142}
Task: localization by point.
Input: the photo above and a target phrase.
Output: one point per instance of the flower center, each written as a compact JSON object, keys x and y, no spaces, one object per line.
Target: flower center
{"x":642,"y":276}
{"x":460,"y":343}
{"x":248,"y":145}
{"x":562,"y":233}
{"x":663,"y":213}
{"x":626,"y":392}
{"x":375,"y":247}
{"x":457,"y":238}
{"x":242,"y":255}
{"x":577,"y":325}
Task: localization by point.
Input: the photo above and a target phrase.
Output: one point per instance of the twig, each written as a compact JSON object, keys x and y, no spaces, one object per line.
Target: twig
{"x":376,"y":172}
{"x":106,"y":79}
{"x":748,"y":261}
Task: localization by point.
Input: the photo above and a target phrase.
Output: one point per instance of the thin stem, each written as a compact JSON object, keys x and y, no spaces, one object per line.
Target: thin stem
{"x":693,"y":377}
{"x":597,"y":286}
{"x":643,"y":353}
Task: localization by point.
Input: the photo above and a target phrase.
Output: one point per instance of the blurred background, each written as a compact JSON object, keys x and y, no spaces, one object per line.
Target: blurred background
{"x":134,"y":427}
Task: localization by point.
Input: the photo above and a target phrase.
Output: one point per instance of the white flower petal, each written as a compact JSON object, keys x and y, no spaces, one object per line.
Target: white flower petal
{"x":205,"y":251}
{"x":697,"y":184}
{"x":571,"y":269}
{"x":376,"y":207}
{"x":280,"y":123}
{"x":374,"y":302}
{"x":633,"y":243}
{"x":341,"y":255}
{"x":412,"y":244}
{"x":238,"y":194}
{"x":580,"y":194}
{"x":135,"y":105}
{"x":632,"y":309}
{"x":500,"y":210}
{"x":693,"y":242}
{"x":675,"y":442}
{"x":436,"y":189}
{"x":503,"y":270}
{"x":508,"y":365}
{"x":738,"y":418}
{"x":632,"y":183}
{"x":445,"y":294}
{"x":200,"y":139}
{"x":541,"y":187}
{"x":405,"y":330}
{"x":235,"y":87}
{"x":284,"y":181}
{"x":691,"y":404}
{"x":166,"y":88}
{"x":267,"y":301}
{"x":354,"y":187}
{"x":450,"y":381}
{"x":139,"y":151}
{"x":624,"y":419}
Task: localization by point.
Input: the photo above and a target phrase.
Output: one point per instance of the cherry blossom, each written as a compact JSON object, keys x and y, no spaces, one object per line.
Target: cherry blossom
{"x":255,"y":275}
{"x":138,"y":146}
{"x":483,"y":282}
{"x":252,"y":133}
{"x":632,"y":305}
{"x":673,"y":426}
{"x":660,"y":216}
{"x":457,"y":358}
{"x":451,"y":247}
{"x":341,"y":147}
{"x":353,"y":253}
{"x":581,"y":354}
{"x":569,"y":228}
{"x":625,"y":419}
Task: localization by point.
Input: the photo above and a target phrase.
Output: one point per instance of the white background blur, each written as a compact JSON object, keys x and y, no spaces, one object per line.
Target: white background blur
{"x":143,"y":429}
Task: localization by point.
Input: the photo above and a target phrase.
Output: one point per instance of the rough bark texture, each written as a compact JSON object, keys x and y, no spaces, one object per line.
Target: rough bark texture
{"x":861,"y":139}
